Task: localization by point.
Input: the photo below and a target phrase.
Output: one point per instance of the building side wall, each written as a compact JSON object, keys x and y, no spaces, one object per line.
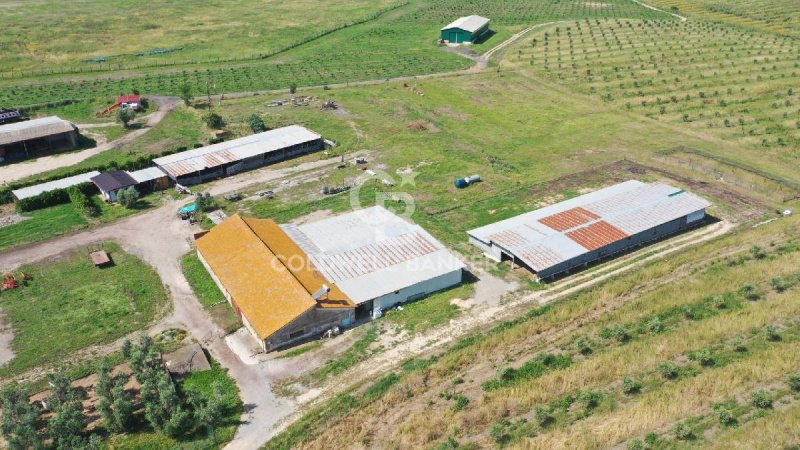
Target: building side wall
{"x":311,"y":324}
{"x":419,"y":290}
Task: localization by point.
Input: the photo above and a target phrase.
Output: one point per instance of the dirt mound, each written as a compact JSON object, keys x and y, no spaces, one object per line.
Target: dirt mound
{"x":421,"y":125}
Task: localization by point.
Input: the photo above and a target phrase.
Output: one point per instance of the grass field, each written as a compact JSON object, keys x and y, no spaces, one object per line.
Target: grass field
{"x":516,"y":132}
{"x":70,"y":305}
{"x":209,"y":294}
{"x":691,"y":312}
{"x":41,"y":37}
{"x":399,"y":42}
{"x":709,"y":79}
{"x":43,"y":224}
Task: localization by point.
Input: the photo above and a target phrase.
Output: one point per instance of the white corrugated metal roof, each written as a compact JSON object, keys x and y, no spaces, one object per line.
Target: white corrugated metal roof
{"x":33,"y":129}
{"x":468,"y":23}
{"x":372,"y":252}
{"x":554,"y":234}
{"x":148,"y":174}
{"x":32,"y":191}
{"x":191,"y":161}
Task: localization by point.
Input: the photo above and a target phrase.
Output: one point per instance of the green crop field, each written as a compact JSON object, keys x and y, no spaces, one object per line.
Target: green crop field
{"x":774,"y":16}
{"x":70,"y":305}
{"x":709,"y":79}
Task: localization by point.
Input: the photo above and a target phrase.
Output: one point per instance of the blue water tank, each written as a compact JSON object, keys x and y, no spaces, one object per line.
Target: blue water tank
{"x":461,"y":183}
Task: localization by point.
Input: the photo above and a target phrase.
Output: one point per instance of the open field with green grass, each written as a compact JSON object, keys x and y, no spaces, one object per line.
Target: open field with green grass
{"x":43,"y":224}
{"x":70,"y":305}
{"x":676,"y":341}
{"x":209,"y":294}
{"x":46,"y":35}
{"x":709,"y":79}
{"x":518,"y":133}
{"x":401,"y":41}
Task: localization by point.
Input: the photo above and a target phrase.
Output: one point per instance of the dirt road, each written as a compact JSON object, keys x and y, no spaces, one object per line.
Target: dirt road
{"x":18,"y":171}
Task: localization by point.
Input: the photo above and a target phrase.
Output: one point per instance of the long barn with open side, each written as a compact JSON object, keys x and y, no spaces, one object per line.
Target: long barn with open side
{"x":231,"y":157}
{"x":554,"y":240}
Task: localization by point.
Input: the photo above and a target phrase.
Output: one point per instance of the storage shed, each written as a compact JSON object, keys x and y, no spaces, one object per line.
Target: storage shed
{"x":227,"y":158}
{"x":465,"y":30}
{"x":110,"y":183}
{"x":554,"y":240}
{"x":63,"y":183}
{"x":150,"y":179}
{"x":35,"y":137}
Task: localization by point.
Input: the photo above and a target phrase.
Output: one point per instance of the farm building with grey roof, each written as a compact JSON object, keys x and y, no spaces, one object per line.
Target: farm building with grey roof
{"x":35,"y":137}
{"x":228,"y":158}
{"x":558,"y":238}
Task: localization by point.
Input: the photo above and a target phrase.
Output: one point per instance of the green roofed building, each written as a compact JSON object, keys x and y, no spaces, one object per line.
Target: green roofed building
{"x":465,"y":30}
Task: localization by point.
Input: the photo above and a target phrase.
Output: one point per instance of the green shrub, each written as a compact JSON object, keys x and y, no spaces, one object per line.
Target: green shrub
{"x":761,"y":400}
{"x":772,"y":333}
{"x":669,"y":370}
{"x":544,"y":415}
{"x":461,"y":402}
{"x":682,"y":432}
{"x":631,"y":386}
{"x":82,"y":203}
{"x":636,"y":444}
{"x":590,"y":399}
{"x":726,"y":417}
{"x":794,"y":382}
{"x":584,"y":345}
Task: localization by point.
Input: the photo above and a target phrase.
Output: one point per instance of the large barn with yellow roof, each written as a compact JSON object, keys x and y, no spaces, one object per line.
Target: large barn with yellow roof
{"x":288,"y":283}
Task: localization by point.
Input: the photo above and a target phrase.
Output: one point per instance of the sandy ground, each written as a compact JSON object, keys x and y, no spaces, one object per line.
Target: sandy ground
{"x":18,"y":171}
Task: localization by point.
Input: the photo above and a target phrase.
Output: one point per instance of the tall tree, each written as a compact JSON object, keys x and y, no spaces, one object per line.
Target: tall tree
{"x":185,"y":93}
{"x":67,"y":426}
{"x":126,"y":116}
{"x":256,"y":123}
{"x":19,"y":419}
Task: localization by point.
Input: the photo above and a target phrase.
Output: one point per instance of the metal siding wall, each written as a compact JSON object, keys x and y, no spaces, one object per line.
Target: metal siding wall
{"x":427,"y":287}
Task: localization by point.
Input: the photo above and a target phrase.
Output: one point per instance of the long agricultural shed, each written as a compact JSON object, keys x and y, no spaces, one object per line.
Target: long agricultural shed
{"x":64,"y":183}
{"x":227,"y":158}
{"x":556,"y":239}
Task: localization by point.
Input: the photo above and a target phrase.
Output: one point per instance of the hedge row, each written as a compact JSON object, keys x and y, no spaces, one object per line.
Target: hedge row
{"x":52,"y":198}
{"x":139,"y":163}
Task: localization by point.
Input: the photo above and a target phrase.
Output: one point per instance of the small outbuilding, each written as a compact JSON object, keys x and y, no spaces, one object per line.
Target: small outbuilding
{"x":110,"y":183}
{"x":465,"y":30}
{"x":150,"y":179}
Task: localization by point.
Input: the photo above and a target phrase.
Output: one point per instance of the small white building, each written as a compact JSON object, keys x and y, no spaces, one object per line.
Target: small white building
{"x":377,"y":258}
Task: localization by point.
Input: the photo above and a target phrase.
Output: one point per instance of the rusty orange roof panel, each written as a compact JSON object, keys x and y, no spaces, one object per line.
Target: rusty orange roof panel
{"x":596,"y":235}
{"x":568,"y":219}
{"x":298,"y":263}
{"x":267,"y":293}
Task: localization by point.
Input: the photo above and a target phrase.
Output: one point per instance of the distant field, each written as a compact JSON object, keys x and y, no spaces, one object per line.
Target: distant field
{"x":710,"y":79}
{"x":774,"y":16}
{"x":399,"y":42}
{"x":47,"y":34}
